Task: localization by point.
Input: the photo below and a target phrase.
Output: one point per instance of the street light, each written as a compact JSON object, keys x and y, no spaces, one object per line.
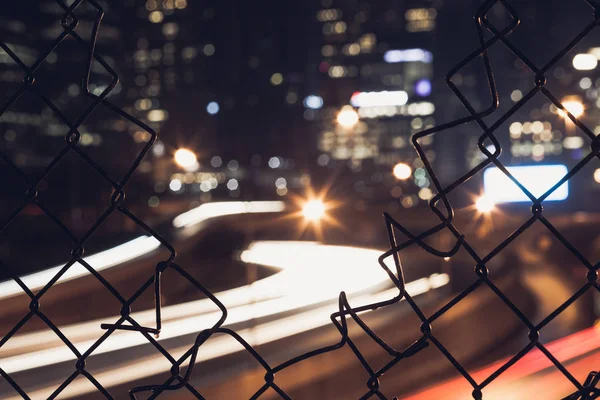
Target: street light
{"x":347,"y":117}
{"x":313,"y":210}
{"x":585,"y":62}
{"x":186,"y":158}
{"x":484,"y":204}
{"x":402,"y":171}
{"x":573,"y":106}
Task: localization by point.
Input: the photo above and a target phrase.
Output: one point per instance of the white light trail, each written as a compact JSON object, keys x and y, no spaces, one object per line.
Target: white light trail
{"x":100,"y":261}
{"x":322,"y":269}
{"x":223,"y":345}
{"x":207,"y":211}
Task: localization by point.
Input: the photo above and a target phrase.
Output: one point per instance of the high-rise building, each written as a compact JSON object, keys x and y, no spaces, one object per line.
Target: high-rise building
{"x":31,"y":132}
{"x":224,"y":80}
{"x":372,"y":91}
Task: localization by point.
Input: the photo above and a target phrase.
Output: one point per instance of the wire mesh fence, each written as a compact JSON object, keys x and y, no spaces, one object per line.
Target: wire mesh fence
{"x":183,"y":367}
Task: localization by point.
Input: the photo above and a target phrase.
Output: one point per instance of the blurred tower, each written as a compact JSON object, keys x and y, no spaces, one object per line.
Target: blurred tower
{"x":373,"y":90}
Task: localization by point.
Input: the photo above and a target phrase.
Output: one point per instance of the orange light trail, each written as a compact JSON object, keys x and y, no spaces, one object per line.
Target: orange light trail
{"x":564,"y":350}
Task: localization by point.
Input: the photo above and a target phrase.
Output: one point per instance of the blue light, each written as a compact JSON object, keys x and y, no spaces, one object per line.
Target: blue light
{"x":408,"y":55}
{"x":538,"y":179}
{"x":212,"y":107}
{"x":423,"y":87}
{"x":314,"y":102}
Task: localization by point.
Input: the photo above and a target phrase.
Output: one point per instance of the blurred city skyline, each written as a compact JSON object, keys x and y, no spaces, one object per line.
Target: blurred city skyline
{"x":273,"y":96}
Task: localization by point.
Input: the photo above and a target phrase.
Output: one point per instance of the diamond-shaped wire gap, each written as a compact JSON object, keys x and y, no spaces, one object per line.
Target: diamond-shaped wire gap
{"x":64,"y":89}
{"x":24,"y":233}
{"x":483,"y":332}
{"x":527,"y":293}
{"x":80,"y":306}
{"x":24,"y":352}
{"x":76,"y":194}
{"x":28,"y":133}
{"x":106,"y":130}
{"x":49,"y":82}
{"x":571,"y":310}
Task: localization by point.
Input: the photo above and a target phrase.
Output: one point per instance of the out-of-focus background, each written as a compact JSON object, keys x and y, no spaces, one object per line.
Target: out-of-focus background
{"x":284,"y":132}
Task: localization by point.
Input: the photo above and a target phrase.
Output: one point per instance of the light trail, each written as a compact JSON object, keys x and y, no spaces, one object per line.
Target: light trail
{"x":322,"y":269}
{"x":137,"y":247}
{"x":567,"y":349}
{"x":100,"y":261}
{"x":303,"y":266}
{"x":208,"y":211}
{"x":222,"y":345}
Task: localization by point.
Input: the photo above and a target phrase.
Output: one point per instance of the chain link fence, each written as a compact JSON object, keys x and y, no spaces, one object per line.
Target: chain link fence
{"x":183,"y":367}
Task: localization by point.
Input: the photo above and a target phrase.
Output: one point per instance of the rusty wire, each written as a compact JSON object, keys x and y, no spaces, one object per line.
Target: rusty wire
{"x":440,"y":205}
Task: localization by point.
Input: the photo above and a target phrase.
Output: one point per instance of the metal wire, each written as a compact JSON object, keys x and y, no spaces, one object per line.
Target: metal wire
{"x":440,"y":205}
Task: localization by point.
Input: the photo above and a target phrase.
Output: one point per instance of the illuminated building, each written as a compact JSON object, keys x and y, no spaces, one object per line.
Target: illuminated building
{"x":32,"y":134}
{"x":224,"y":80}
{"x":540,"y":133}
{"x":377,"y":59}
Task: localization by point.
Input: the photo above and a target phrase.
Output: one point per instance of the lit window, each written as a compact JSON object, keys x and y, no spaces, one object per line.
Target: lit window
{"x":328,"y":50}
{"x":188,"y":53}
{"x":585,"y":62}
{"x":314,"y":102}
{"x":339,"y":27}
{"x":158,"y":115}
{"x":352,"y":49}
{"x":170,"y":29}
{"x":516,"y":95}
{"x":276,"y":79}
{"x":156,"y":17}
{"x":212,"y":107}
{"x":209,"y":50}
{"x":337,"y":71}
{"x":232,"y":184}
{"x":367,"y":42}
{"x":291,"y":98}
{"x":420,"y":14}
{"x":216,"y":161}
{"x":280,"y":183}
{"x":274,"y":162}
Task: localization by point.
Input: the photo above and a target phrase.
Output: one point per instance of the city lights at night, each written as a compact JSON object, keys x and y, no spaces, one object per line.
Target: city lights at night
{"x":347,"y":117}
{"x":331,"y":199}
